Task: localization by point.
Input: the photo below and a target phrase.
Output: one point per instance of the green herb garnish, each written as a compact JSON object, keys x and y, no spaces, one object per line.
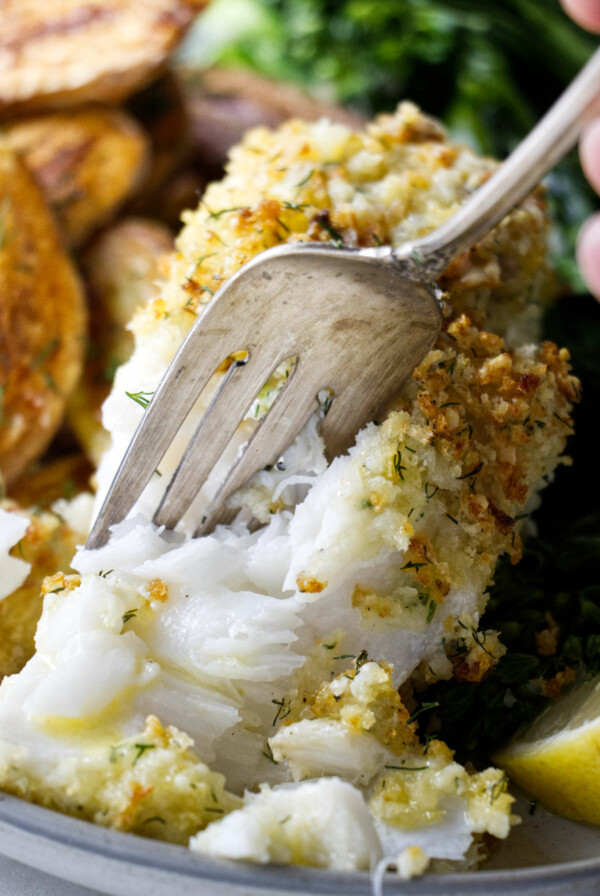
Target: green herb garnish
{"x":141,"y":398}
{"x":141,"y":749}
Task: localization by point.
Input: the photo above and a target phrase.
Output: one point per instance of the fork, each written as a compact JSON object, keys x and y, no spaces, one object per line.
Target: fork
{"x":356,"y":321}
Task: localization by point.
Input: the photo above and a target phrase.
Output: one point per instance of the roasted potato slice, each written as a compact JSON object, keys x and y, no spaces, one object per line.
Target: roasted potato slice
{"x":87,"y":162}
{"x":67,"y":52}
{"x":179,"y":192}
{"x":42,"y":320}
{"x":121,"y":268}
{"x":223,"y":103}
{"x":161,"y":109}
{"x":48,"y":545}
{"x":47,"y":481}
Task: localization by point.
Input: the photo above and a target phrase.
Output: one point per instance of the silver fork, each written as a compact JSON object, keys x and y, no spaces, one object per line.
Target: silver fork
{"x":357,"y":322}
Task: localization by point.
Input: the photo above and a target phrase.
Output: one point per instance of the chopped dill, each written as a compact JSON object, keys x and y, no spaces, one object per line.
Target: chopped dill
{"x":472,"y":472}
{"x":498,"y":788}
{"x":223,"y":211}
{"x":423,"y":708}
{"x":141,"y":749}
{"x":283,"y":710}
{"x":481,"y":643}
{"x":325,"y":404}
{"x":306,"y":179}
{"x":141,"y":398}
{"x":200,"y":261}
{"x":361,"y":659}
{"x":295,"y":206}
{"x":564,"y":422}
{"x":397,"y":462}
{"x":115,"y":754}
{"x":336,"y":237}
{"x":428,"y":496}
{"x":427,"y":738}
{"x":268,"y":754}
{"x":157,"y":818}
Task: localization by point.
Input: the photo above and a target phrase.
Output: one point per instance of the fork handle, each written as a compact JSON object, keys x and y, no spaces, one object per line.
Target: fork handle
{"x":551,"y":139}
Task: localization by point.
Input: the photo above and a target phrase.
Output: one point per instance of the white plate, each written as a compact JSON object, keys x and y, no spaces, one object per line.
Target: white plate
{"x":545,"y":856}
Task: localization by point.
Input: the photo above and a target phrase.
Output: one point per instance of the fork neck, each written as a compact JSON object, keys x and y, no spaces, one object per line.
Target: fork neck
{"x":426,"y":258}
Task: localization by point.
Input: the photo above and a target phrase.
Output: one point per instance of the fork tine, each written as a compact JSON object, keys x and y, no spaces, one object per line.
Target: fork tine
{"x":214,"y":432}
{"x":196,"y":361}
{"x":358,"y":401}
{"x":285,"y":418}
{"x":257,"y":309}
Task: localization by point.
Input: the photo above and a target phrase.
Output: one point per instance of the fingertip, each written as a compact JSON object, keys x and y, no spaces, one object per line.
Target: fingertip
{"x":588,"y":254}
{"x":585,"y":12}
{"x":589,"y":153}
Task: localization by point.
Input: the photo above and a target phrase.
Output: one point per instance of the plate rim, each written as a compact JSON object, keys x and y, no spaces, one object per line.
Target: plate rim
{"x":32,"y":822}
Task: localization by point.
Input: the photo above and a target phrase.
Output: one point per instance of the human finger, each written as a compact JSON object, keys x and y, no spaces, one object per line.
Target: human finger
{"x":588,"y":253}
{"x":589,"y":152}
{"x":585,"y":12}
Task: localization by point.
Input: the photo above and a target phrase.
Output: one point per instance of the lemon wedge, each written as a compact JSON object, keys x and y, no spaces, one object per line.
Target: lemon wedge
{"x":557,"y":759}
